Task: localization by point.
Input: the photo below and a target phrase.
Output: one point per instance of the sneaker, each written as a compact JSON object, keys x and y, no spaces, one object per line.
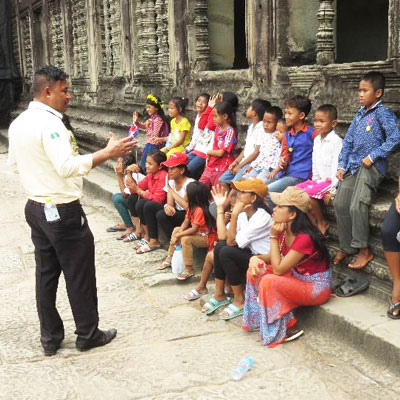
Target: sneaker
{"x":293,"y":334}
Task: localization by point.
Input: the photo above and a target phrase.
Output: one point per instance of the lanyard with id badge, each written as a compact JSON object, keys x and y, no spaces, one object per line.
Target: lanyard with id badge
{"x":51,"y":212}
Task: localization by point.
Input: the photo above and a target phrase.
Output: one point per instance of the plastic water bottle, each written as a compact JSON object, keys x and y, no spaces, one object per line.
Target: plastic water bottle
{"x":51,"y":211}
{"x":241,"y":369}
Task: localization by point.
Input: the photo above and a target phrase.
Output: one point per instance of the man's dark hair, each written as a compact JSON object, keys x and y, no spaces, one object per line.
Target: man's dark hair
{"x":301,"y":103}
{"x":330,"y":110}
{"x":275,"y":111}
{"x":47,"y":75}
{"x":376,"y":79}
{"x":259,"y":106}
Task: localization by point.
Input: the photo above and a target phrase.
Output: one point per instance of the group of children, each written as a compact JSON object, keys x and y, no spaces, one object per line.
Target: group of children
{"x":187,"y":165}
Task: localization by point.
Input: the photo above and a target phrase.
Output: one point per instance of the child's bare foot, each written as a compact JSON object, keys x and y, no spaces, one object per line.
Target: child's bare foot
{"x":363,"y":258}
{"x":340,"y":255}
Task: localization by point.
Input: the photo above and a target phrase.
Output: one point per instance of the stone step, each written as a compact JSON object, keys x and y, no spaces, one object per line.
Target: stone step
{"x":359,"y":320}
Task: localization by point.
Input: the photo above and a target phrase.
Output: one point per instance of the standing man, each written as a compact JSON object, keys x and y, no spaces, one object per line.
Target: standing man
{"x":51,"y":172}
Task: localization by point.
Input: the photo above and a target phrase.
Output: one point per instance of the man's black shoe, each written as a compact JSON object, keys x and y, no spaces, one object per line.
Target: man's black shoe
{"x":104,"y":338}
{"x":50,"y":350}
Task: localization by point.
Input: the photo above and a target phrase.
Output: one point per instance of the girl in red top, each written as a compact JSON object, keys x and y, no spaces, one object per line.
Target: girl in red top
{"x":146,"y":199}
{"x":198,"y":229}
{"x":295,"y":273}
{"x":221,"y":154}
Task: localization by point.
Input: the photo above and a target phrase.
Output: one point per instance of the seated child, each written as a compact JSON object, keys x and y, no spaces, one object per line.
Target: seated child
{"x":363,"y":162}
{"x":266,"y":165}
{"x":179,"y":136}
{"x":120,"y":199}
{"x":198,"y":229}
{"x":221,"y":154}
{"x":221,"y":198}
{"x":174,"y":210}
{"x":297,"y":145}
{"x":327,"y":147}
{"x":197,"y":148}
{"x":248,"y":234}
{"x":254,"y":113}
{"x":156,"y":127}
{"x":146,"y":199}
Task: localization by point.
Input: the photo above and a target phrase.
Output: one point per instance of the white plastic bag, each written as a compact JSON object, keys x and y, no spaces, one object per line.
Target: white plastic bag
{"x":177,"y":263}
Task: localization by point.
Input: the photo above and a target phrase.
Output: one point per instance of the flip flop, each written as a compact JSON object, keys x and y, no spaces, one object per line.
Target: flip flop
{"x":183,"y":276}
{"x":115,"y":229}
{"x":123,"y":236}
{"x":146,"y":248}
{"x":350,"y":286}
{"x":164,"y":265}
{"x":232,"y":312}
{"x":194,"y":295}
{"x":392,"y":308}
{"x":131,"y":238}
{"x":213,"y":304}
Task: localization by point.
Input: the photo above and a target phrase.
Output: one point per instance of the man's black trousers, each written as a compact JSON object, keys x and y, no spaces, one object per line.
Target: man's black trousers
{"x":68,"y":246}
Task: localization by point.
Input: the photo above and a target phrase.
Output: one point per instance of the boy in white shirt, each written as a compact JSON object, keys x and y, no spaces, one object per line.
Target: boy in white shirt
{"x":266,"y":165}
{"x":255,"y":113}
{"x":326,"y":150}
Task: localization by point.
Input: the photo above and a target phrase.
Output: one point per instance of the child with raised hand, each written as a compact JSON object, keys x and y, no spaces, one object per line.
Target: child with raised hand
{"x":156,"y":126}
{"x":198,"y":229}
{"x":266,"y":165}
{"x":255,"y":113}
{"x":221,"y":198}
{"x":297,"y":145}
{"x":148,"y":197}
{"x":179,"y":136}
{"x":197,"y":148}
{"x":327,"y":147}
{"x":207,"y":117}
{"x":221,"y":154}
{"x":363,"y":162}
{"x":247,"y":235}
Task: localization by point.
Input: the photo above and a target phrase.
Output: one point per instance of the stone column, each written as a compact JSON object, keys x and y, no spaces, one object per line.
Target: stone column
{"x":202,"y":44}
{"x":325,"y":44}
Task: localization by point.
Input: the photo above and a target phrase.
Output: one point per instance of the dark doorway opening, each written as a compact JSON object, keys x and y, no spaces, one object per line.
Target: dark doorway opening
{"x":362,"y":30}
{"x":227,"y":34}
{"x":240,"y":61}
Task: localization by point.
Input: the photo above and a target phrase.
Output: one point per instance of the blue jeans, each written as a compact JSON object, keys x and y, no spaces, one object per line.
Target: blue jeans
{"x":121,"y":204}
{"x":259,"y":173}
{"x":280,"y":184}
{"x":228,"y":177}
{"x":148,"y":148}
{"x":196,"y":165}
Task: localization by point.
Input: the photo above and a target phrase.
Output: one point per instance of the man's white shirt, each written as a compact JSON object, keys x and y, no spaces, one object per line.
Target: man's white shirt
{"x":40,"y":145}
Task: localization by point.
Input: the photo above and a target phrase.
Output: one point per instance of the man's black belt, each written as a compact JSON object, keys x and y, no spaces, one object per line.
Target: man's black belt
{"x":72,"y":203}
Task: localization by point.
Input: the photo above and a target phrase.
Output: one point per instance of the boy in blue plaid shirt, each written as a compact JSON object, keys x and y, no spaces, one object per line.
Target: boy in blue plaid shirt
{"x":363,"y":162}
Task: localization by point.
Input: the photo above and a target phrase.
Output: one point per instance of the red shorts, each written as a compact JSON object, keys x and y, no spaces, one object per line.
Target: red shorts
{"x":211,"y":176}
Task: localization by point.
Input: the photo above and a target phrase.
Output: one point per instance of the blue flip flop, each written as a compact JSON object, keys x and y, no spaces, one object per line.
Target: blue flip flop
{"x":232,"y":312}
{"x":213,"y":304}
